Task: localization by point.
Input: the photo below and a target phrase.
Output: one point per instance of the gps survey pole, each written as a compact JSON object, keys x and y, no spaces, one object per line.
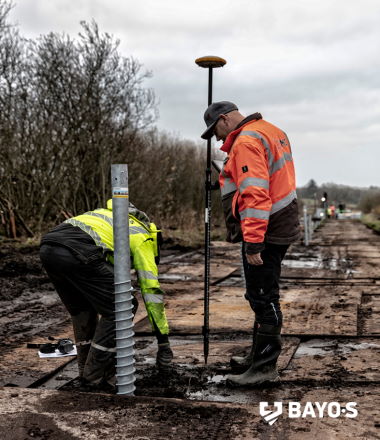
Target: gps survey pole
{"x":209,"y":62}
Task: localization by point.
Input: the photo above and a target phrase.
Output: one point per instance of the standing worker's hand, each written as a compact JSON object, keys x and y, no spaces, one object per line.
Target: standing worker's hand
{"x":254,"y":259}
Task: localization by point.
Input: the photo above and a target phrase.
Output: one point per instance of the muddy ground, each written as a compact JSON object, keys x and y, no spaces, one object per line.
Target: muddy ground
{"x":331,"y":353}
{"x":29,"y":305}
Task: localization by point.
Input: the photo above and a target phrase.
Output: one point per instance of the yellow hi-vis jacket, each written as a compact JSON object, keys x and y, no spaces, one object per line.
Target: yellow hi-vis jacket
{"x":143,"y":247}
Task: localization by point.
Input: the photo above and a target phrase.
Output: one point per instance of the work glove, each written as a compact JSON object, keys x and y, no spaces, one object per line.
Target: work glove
{"x":164,"y":356}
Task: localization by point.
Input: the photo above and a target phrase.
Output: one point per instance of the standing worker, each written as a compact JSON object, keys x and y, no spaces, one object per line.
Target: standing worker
{"x":78,"y":257}
{"x":260,"y":205}
{"x":332,"y":210}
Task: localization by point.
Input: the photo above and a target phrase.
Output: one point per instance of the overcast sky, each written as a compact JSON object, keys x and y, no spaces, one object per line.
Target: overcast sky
{"x":310,"y":67}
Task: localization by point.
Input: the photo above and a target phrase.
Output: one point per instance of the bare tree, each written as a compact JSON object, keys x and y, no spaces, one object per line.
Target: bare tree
{"x":69,"y":108}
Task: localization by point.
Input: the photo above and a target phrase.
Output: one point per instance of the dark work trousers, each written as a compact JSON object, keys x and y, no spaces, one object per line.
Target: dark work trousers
{"x":262,"y":284}
{"x":86,"y":287}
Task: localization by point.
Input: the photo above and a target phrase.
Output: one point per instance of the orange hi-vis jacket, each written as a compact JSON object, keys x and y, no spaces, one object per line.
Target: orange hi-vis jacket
{"x":258,"y":185}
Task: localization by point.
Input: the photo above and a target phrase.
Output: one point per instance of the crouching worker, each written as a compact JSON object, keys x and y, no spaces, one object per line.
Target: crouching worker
{"x":78,"y":257}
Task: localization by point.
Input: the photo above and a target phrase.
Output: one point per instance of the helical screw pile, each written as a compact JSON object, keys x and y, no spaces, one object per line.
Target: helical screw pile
{"x":124,"y":338}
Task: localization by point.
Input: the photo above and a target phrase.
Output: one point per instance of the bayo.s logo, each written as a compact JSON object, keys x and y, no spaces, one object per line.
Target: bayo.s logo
{"x":269,"y":415}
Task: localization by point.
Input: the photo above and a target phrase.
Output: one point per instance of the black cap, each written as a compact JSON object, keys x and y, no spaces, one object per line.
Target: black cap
{"x":212,"y":115}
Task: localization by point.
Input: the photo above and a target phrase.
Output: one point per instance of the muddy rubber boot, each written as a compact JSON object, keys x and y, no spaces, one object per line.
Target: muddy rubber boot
{"x":135,"y":305}
{"x":84,"y":324}
{"x":263,"y":367}
{"x":100,"y":365}
{"x":164,"y":356}
{"x":242,"y":363}
{"x":103,"y":386}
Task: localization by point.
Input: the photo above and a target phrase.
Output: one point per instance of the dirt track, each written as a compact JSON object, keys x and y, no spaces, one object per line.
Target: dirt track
{"x":330,"y":300}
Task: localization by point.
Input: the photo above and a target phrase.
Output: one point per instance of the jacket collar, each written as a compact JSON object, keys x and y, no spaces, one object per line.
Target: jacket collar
{"x":226,"y":147}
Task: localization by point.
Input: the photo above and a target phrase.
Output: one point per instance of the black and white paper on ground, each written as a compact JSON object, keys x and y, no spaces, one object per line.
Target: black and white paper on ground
{"x":58,"y":354}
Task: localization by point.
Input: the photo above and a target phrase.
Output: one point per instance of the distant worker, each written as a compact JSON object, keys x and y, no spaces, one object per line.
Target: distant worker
{"x":78,"y":257}
{"x":260,"y":204}
{"x":332,"y":211}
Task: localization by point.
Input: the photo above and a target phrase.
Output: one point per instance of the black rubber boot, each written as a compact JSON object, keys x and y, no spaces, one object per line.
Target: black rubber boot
{"x":164,"y":356}
{"x":242,"y":363}
{"x":263,"y":367}
{"x":84,"y":324}
{"x":135,"y":305}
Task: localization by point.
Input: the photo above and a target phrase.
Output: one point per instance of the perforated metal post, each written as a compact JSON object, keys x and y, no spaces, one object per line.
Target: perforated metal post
{"x":123,"y":288}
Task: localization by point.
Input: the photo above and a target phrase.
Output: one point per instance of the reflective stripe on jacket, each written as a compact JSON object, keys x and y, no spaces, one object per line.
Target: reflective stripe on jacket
{"x":143,"y":247}
{"x":258,"y":184}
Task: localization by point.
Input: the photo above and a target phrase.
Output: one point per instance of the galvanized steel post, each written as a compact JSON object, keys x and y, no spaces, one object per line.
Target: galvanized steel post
{"x":311,"y":227}
{"x":123,"y":287}
{"x":306,"y":226}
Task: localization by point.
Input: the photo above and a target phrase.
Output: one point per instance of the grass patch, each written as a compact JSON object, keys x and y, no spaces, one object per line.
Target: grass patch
{"x":192,"y":237}
{"x":371,"y":221}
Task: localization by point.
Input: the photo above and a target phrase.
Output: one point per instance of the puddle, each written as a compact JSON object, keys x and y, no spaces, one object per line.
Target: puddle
{"x":363,"y":346}
{"x":332,"y":264}
{"x":218,"y":378}
{"x":216,"y":396}
{"x":302,"y":264}
{"x":325,"y":348}
{"x":315,"y":347}
{"x":145,"y":360}
{"x":245,"y":395}
{"x":174,"y":277}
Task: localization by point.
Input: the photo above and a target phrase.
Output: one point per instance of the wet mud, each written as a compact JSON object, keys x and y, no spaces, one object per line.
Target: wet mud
{"x":330,"y":297}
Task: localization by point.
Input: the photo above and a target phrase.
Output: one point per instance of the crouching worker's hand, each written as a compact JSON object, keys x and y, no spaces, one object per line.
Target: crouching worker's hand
{"x":164,"y":356}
